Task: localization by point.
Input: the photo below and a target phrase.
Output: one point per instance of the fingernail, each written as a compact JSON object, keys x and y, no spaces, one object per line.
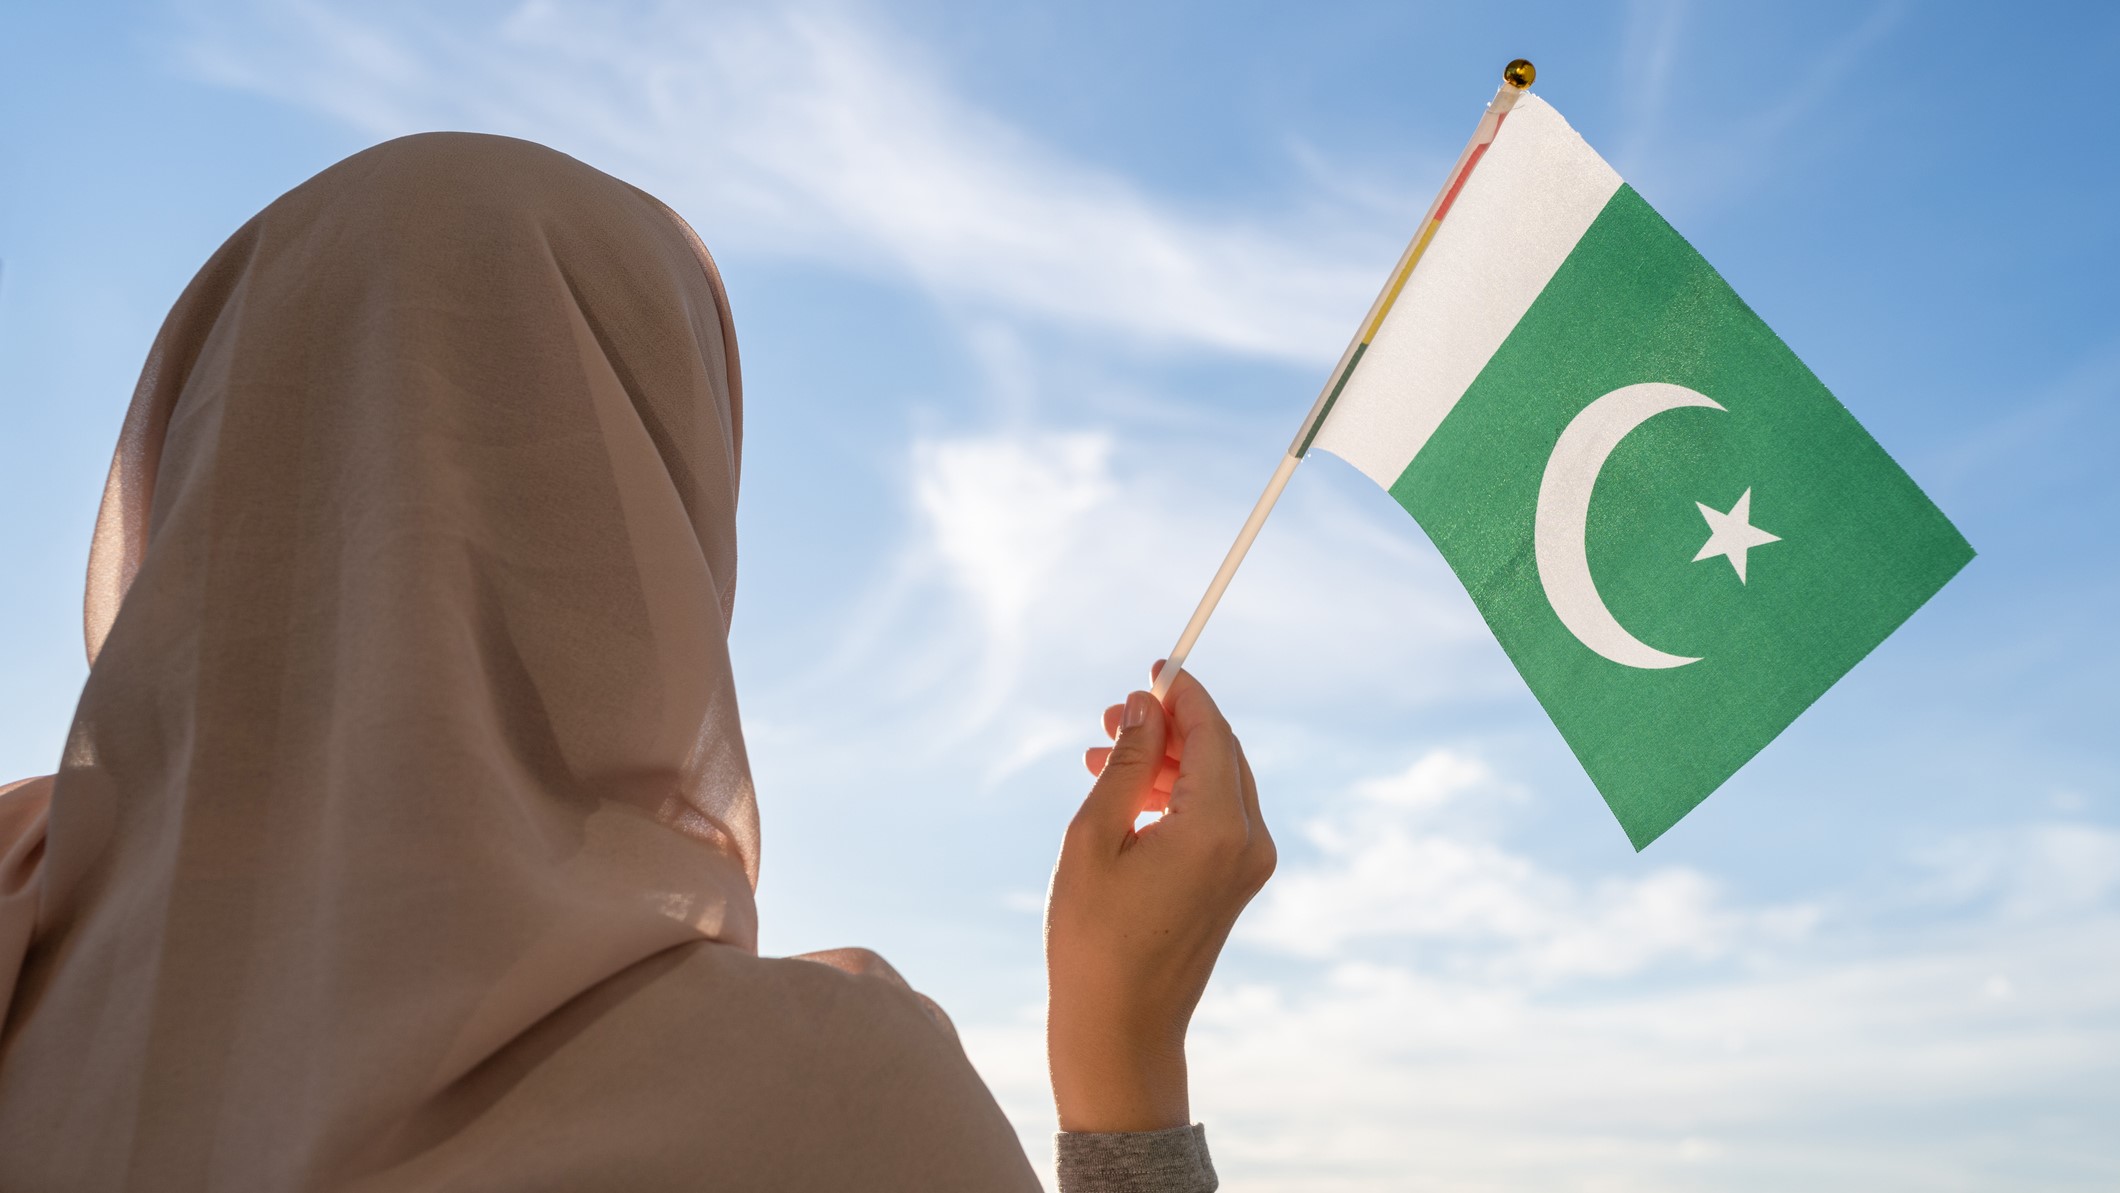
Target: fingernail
{"x":1136,"y":710}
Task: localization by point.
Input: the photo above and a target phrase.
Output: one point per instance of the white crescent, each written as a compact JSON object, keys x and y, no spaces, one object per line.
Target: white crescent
{"x":1564,"y":516}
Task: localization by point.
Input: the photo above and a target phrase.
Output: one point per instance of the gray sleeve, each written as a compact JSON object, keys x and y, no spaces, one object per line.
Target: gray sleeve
{"x":1172,"y":1161}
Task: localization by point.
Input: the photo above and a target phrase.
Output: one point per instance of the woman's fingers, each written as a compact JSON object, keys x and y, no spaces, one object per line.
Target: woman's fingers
{"x":1126,"y":782}
{"x":1095,"y":757}
{"x":1189,"y":703}
{"x":1187,"y":694}
{"x":1216,"y":783}
{"x":1208,"y":774}
{"x":1111,"y":729}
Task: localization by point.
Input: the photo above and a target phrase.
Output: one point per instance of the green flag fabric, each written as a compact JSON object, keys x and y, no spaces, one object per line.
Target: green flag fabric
{"x":1676,"y":532}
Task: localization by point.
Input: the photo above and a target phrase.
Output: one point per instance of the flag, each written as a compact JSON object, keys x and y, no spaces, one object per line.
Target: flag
{"x":1679,"y":536}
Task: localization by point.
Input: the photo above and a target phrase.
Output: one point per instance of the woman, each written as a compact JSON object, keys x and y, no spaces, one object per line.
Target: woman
{"x":404,"y":837}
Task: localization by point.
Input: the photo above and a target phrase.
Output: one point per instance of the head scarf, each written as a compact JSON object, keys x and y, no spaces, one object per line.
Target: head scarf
{"x":404,"y":837}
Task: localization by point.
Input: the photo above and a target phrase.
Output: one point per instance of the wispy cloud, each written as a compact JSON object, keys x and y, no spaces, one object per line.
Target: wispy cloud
{"x":810,"y":132}
{"x":1041,"y":562}
{"x":1680,"y":164}
{"x":1649,"y":52}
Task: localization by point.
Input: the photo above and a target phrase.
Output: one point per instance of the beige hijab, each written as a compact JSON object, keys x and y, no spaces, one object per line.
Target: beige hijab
{"x":404,"y":837}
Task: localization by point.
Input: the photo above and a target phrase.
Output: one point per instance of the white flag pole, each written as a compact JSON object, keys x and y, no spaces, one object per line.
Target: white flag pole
{"x":1516,"y":78}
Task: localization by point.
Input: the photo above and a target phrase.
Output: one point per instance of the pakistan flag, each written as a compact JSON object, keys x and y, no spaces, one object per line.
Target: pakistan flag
{"x":1678,"y":535}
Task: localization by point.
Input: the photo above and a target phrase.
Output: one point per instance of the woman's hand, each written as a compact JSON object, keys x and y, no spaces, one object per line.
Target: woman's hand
{"x":1136,"y":919}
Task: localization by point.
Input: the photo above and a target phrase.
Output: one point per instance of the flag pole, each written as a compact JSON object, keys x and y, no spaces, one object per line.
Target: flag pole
{"x":1516,"y":79}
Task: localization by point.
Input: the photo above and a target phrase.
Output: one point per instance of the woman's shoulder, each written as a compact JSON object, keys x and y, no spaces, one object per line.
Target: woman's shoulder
{"x":783,"y":1073}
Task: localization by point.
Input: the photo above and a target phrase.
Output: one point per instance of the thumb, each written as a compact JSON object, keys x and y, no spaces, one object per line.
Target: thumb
{"x":1129,"y":778}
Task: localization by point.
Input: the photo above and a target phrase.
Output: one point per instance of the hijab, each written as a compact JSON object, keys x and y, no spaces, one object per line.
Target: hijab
{"x":404,"y":837}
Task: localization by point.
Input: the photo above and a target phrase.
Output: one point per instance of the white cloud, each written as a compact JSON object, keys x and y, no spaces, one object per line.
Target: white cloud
{"x":1433,"y":780}
{"x":1006,"y":512}
{"x":1811,"y":1072}
{"x":2026,"y":871}
{"x":1395,"y":864}
{"x":805,"y":131}
{"x":1518,"y":1045}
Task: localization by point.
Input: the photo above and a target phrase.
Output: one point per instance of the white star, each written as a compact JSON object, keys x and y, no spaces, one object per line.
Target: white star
{"x":1731,"y":535}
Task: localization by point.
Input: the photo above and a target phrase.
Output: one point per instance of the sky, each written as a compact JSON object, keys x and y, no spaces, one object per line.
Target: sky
{"x":1030,"y":299}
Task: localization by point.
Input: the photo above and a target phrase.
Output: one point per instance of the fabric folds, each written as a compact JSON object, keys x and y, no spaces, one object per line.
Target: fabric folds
{"x":404,"y":837}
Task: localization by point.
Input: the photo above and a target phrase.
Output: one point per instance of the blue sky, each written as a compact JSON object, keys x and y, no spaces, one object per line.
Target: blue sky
{"x":1029,"y":300}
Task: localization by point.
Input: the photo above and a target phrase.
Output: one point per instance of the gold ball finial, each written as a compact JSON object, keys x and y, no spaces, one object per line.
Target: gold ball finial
{"x":1519,"y":73}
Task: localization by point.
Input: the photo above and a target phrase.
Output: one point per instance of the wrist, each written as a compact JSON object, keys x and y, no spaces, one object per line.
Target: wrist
{"x":1110,"y":1080}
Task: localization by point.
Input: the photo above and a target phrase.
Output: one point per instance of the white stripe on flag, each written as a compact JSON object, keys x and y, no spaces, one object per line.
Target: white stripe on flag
{"x":1518,"y":217}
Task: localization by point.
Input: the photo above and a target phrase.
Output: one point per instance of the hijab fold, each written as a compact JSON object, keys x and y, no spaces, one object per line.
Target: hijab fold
{"x":404,"y":837}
